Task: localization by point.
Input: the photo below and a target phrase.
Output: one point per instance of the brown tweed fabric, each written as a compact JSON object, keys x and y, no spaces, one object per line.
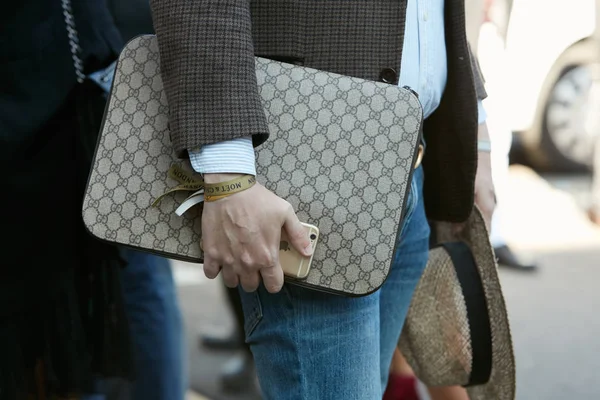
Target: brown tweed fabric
{"x":207,"y":49}
{"x":207,"y":66}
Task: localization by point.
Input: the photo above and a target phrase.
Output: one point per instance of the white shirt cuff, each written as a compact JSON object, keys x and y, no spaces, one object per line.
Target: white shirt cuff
{"x":481,"y":115}
{"x":233,"y":156}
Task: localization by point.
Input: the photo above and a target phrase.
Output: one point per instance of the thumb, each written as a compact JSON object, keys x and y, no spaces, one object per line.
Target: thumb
{"x":297,"y":234}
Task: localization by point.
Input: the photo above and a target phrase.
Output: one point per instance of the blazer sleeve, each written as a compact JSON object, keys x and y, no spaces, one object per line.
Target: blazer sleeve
{"x":208,"y":71}
{"x":477,"y":76}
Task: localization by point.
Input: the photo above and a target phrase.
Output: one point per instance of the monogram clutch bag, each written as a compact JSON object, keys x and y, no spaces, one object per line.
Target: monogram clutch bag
{"x":341,"y":150}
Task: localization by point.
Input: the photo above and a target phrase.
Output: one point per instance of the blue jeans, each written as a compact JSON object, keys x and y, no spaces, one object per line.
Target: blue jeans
{"x":312,"y":345}
{"x":157,"y":333}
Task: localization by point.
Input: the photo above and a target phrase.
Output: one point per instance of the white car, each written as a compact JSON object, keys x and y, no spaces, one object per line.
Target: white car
{"x":552,"y":54}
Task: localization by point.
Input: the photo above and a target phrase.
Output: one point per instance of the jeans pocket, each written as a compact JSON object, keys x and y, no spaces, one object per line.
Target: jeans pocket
{"x":253,"y":312}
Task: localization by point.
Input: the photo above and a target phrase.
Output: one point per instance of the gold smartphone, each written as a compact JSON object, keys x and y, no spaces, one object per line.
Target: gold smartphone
{"x":294,"y":264}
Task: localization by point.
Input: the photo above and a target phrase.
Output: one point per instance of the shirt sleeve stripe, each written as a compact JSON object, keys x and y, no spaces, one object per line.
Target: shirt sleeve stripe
{"x":233,"y":156}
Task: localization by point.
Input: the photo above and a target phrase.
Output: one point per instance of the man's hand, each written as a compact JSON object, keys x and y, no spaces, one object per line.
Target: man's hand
{"x":241,"y":235}
{"x":485,"y":195}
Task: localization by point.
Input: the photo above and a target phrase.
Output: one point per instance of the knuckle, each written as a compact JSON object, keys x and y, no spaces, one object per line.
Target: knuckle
{"x":247,"y":260}
{"x":212,"y":253}
{"x":288,"y":207}
{"x":269,"y":260}
{"x":228,"y":259}
{"x":297,"y":234}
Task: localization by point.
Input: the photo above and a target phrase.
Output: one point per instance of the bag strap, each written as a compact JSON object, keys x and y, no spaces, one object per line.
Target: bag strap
{"x":73,"y":36}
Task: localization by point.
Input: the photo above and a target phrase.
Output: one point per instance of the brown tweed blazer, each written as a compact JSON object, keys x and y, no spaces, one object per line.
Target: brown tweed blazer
{"x":207,"y":49}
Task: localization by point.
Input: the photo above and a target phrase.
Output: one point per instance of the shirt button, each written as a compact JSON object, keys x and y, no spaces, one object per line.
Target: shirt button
{"x":388,"y":75}
{"x":425,"y":17}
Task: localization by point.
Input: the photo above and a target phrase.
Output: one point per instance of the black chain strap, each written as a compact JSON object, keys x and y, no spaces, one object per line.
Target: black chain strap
{"x":73,"y":36}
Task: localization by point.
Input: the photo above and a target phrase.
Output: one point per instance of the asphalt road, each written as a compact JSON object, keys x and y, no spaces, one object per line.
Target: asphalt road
{"x":553,"y":312}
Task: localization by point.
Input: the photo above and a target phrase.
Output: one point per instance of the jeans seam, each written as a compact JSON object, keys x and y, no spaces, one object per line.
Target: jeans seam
{"x":256,"y":315}
{"x":294,"y":334}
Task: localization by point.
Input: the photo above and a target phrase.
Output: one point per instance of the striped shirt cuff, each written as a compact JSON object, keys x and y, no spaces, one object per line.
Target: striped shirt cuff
{"x":233,"y":156}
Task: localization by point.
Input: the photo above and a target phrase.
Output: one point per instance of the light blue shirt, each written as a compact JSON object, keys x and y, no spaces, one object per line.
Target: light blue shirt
{"x":423,"y":68}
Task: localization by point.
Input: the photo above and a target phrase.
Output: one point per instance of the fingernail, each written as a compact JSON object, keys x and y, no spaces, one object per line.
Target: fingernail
{"x":308,"y":249}
{"x":274,"y":289}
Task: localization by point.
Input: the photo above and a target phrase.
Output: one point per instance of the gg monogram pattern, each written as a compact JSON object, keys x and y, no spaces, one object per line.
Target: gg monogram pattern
{"x":341,"y":151}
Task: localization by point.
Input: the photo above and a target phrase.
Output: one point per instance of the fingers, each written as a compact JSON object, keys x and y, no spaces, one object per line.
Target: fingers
{"x":230,"y":278}
{"x":211,"y":268}
{"x":242,"y":236}
{"x":297,"y":233}
{"x":250,"y":281}
{"x":493,"y":203}
{"x":487,"y":219}
{"x":212,"y":264}
{"x":488,"y":211}
{"x":272,"y":278}
{"x":487,"y":216}
{"x":485,"y":199}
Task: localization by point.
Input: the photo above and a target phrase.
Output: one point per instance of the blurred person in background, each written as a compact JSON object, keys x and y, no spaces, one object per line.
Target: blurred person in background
{"x":487,"y":24}
{"x":491,"y":38}
{"x":594,"y":209}
{"x":67,"y":305}
{"x":62,"y":317}
{"x":149,"y":288}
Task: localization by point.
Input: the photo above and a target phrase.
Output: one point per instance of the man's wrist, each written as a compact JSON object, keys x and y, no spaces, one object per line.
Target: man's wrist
{"x":220,"y":177}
